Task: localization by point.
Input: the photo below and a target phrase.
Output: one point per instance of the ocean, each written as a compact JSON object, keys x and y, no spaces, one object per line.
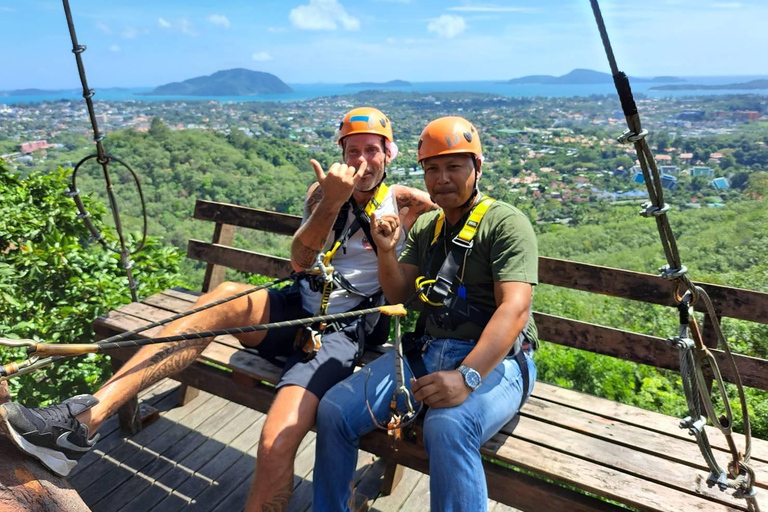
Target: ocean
{"x":319,"y":90}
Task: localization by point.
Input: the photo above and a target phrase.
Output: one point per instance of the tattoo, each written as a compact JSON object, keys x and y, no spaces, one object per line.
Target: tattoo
{"x":313,"y":198}
{"x":173,"y":358}
{"x":281,"y":499}
{"x":408,"y":199}
{"x":304,"y":256}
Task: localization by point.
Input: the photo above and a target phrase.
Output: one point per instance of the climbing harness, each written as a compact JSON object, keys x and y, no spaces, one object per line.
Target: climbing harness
{"x":448,"y":309}
{"x":103,"y":159}
{"x":309,"y":339}
{"x":694,"y":355}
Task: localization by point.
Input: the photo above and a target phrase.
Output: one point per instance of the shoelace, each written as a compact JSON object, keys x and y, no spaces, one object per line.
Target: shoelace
{"x":59,"y":414}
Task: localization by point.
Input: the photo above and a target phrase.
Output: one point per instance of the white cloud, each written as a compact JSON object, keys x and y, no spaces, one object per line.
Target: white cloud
{"x":187,"y":27}
{"x":323,"y":15}
{"x":103,"y":27}
{"x":727,"y":5}
{"x":163,"y":23}
{"x":114,"y":48}
{"x":490,"y":8}
{"x":220,"y":20}
{"x":261,"y":56}
{"x":447,"y":26}
{"x":129,"y":33}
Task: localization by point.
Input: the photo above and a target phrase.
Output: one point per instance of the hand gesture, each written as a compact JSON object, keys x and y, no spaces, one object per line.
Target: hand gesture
{"x":440,"y":389}
{"x":386,"y":230}
{"x":340,"y":181}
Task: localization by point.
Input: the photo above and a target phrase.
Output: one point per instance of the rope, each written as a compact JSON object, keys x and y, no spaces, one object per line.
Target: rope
{"x":103,"y":159}
{"x":694,"y":354}
{"x":32,"y":365}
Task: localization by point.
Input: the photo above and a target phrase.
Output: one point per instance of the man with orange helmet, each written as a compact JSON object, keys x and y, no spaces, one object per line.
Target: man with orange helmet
{"x":336,"y":217}
{"x":476,"y":263}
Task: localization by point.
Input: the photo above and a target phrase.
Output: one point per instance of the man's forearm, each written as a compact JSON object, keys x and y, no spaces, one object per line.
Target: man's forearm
{"x":311,"y":237}
{"x":393,"y":280}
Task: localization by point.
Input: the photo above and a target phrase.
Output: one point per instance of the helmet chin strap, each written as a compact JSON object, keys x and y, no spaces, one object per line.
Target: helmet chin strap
{"x":472,"y":196}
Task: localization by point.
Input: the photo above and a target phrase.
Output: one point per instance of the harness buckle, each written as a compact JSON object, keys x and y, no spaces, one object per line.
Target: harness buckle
{"x":464,"y":244}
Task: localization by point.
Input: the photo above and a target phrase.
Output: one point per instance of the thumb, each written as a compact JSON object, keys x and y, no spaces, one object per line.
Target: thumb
{"x":403,"y":214}
{"x":318,"y":170}
{"x":361,"y":170}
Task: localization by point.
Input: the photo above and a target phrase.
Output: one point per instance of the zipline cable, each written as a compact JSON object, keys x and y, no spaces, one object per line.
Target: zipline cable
{"x":103,"y":159}
{"x":693,"y":351}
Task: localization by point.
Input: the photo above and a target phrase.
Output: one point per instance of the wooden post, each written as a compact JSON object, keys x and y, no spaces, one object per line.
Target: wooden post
{"x":223,"y":234}
{"x":25,"y":485}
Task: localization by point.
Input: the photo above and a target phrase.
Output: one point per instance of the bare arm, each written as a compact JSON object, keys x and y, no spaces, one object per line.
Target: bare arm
{"x":324,"y":200}
{"x":513,"y":300}
{"x":397,"y":279}
{"x":417,"y":201}
{"x":447,"y":388}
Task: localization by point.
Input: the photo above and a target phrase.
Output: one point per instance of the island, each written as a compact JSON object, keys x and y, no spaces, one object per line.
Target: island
{"x":752,"y":84}
{"x":583,"y":76}
{"x":230,"y":82}
{"x":384,"y":85}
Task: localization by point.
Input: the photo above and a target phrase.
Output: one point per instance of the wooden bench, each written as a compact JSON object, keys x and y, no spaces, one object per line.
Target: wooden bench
{"x":566,"y":450}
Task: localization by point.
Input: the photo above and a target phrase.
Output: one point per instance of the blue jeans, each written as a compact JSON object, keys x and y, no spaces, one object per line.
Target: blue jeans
{"x":452,"y":436}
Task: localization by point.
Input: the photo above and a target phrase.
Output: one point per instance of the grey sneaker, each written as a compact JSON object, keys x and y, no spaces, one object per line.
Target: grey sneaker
{"x":51,"y":434}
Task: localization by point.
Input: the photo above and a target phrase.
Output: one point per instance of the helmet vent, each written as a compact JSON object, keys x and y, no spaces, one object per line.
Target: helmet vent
{"x":383,"y":122}
{"x":468,"y":136}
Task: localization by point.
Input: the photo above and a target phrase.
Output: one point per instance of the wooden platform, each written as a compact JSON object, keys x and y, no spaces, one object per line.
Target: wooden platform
{"x":622,"y":453}
{"x":201,"y":457}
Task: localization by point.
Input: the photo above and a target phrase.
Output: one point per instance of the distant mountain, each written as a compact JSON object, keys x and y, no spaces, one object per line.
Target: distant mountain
{"x":666,"y":79}
{"x":386,"y":85}
{"x":752,"y":84}
{"x":32,"y":92}
{"x":230,"y":82}
{"x":582,"y":76}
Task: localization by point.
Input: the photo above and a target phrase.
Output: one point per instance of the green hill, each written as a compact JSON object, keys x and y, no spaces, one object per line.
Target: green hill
{"x":231,"y":82}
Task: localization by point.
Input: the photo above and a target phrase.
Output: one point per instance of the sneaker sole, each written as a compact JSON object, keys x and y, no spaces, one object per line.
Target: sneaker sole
{"x":54,"y":460}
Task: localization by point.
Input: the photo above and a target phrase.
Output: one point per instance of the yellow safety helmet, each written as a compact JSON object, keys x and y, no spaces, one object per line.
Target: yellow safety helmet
{"x":449,"y":135}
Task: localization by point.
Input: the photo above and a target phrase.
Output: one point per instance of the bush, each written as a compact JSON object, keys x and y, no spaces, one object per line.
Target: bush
{"x":54,"y":280}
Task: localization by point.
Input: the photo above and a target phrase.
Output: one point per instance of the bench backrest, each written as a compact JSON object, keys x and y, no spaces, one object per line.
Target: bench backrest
{"x":639,"y":348}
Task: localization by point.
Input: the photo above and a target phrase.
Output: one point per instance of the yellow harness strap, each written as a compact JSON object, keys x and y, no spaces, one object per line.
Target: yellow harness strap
{"x":469,"y":230}
{"x":374,"y":203}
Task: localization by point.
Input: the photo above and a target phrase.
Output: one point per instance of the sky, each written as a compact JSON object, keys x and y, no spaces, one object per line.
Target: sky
{"x":135,"y":43}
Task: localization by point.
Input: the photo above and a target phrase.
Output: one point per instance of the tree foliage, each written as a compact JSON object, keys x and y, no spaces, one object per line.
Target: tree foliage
{"x":54,"y":280}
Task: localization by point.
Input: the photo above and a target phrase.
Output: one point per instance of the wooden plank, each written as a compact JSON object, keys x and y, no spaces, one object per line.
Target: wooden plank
{"x":244,"y":216}
{"x":597,"y":479}
{"x":238,"y":259}
{"x":639,"y":348}
{"x":652,"y":421}
{"x":395,"y":501}
{"x":223,"y":234}
{"x":730,"y":302}
{"x":661,"y":468}
{"x":513,"y":488}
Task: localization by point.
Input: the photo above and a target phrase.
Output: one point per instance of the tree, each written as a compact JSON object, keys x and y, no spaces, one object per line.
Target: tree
{"x":54,"y":281}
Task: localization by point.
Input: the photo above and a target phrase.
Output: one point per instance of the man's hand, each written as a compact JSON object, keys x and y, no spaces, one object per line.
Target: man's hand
{"x":386,"y":230}
{"x":340,"y":181}
{"x":440,"y":389}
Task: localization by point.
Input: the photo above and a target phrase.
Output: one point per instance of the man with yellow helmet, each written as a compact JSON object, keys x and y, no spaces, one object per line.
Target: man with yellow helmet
{"x":470,"y":360}
{"x":336,"y":213}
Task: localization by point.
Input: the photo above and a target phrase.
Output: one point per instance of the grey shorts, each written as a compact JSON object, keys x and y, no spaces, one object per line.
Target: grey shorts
{"x":334,"y":362}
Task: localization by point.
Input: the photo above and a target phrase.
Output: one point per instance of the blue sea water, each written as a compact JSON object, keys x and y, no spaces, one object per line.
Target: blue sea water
{"x":318,"y":90}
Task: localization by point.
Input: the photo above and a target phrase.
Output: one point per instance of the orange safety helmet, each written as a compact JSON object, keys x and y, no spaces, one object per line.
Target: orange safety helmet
{"x":365,"y":120}
{"x":449,"y":135}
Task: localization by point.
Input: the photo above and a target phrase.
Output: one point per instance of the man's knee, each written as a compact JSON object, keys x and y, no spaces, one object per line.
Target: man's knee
{"x":446,"y":430}
{"x":280,"y":444}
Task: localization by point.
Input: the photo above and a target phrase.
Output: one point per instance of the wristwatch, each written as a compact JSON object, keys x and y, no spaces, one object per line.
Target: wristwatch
{"x":471,"y":377}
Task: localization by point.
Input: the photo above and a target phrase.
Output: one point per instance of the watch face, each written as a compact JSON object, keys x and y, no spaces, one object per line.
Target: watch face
{"x":472,"y":378}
